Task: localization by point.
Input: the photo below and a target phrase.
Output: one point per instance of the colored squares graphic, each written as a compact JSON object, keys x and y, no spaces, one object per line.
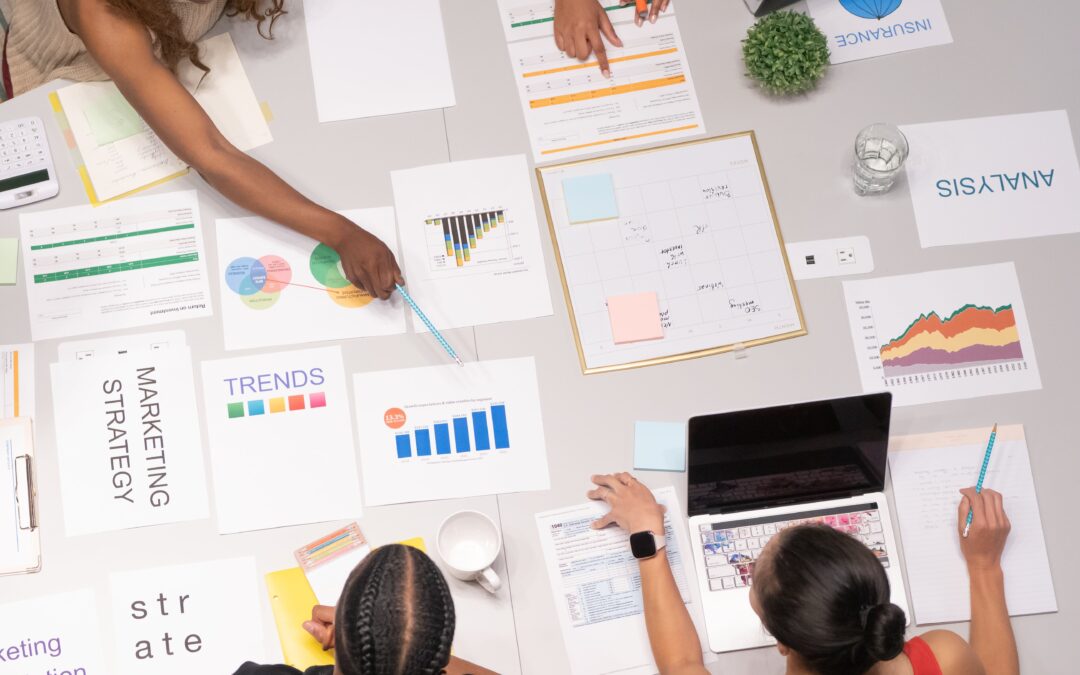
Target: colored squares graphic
{"x":590,"y":198}
{"x":236,"y":410}
{"x":461,"y":434}
{"x":442,"y":438}
{"x":255,"y":408}
{"x":296,"y":402}
{"x":317,"y":400}
{"x":277,"y":405}
{"x":480,"y":430}
{"x":404,"y":446}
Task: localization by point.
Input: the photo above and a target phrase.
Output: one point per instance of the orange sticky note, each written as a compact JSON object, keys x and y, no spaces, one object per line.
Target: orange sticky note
{"x":635,"y":317}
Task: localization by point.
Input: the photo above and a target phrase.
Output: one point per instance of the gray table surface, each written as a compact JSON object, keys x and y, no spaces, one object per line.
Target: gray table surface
{"x":1006,"y":58}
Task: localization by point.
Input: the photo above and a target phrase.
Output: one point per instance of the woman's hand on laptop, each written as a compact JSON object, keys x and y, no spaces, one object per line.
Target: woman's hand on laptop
{"x":633,"y":506}
{"x":990,"y":527}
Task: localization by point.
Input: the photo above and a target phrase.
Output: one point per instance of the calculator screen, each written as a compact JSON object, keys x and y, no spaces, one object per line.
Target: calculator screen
{"x":32,"y":178}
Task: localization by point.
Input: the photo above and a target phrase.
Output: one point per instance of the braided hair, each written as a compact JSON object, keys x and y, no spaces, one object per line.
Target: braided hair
{"x":825,"y":596}
{"x":395,"y":616}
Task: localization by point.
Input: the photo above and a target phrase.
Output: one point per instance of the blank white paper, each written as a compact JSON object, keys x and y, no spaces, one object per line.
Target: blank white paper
{"x":373,"y":58}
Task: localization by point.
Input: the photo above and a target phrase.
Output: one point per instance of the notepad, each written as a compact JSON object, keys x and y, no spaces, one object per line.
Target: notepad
{"x":634,"y":317}
{"x":928,"y":472}
{"x":590,"y":198}
{"x":660,"y":446}
{"x":328,"y":561}
{"x":291,"y":600}
{"x":9,"y":260}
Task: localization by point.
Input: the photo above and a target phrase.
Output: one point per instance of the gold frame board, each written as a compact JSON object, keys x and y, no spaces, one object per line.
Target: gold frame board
{"x":719,"y":349}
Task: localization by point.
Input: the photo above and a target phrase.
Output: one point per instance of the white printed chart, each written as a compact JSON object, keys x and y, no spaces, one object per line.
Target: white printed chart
{"x":694,"y":225}
{"x":939,"y":336}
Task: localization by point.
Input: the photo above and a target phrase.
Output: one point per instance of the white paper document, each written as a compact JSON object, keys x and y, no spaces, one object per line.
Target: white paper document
{"x":117,"y":346}
{"x":132,"y":263}
{"x":192,"y":618}
{"x":128,"y":441}
{"x":944,"y":335}
{"x":52,"y":634}
{"x":122,"y":153}
{"x":928,"y":471}
{"x":16,"y":381}
{"x":20,"y":538}
{"x":571,"y":109}
{"x":994,"y":178}
{"x":444,"y":432}
{"x":280,"y":432}
{"x":471,"y":242}
{"x":597,"y":586}
{"x":862,"y":29}
{"x":279,"y":287}
{"x":373,"y":58}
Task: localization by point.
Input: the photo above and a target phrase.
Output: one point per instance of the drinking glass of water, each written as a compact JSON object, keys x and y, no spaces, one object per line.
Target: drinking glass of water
{"x":880,"y":151}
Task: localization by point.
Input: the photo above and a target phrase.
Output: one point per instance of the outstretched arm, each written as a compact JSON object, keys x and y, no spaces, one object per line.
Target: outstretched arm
{"x":123,"y":48}
{"x":672,"y":634}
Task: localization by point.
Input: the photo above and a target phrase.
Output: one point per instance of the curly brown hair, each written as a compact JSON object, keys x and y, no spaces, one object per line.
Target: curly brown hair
{"x":163,"y":22}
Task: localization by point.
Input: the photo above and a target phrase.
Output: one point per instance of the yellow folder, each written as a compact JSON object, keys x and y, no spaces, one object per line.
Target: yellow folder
{"x":291,"y":598}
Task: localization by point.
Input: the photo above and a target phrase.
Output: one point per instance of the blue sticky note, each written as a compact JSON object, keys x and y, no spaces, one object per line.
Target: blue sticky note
{"x":590,"y":198}
{"x":660,"y":446}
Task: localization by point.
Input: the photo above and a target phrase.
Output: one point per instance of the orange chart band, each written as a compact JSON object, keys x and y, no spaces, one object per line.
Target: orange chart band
{"x":620,"y":138}
{"x":594,"y":64}
{"x":609,"y":91}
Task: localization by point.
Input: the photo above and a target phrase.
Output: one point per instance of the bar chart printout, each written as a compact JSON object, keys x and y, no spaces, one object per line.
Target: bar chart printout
{"x":443,"y":432}
{"x":469,"y":240}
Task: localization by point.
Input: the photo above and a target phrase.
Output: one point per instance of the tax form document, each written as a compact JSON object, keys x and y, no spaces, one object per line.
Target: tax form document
{"x":928,"y":471}
{"x":597,"y":586}
{"x":132,"y":263}
{"x":571,"y":109}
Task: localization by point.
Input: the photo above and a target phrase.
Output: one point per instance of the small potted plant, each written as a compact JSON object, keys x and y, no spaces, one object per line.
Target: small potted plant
{"x":786,"y":53}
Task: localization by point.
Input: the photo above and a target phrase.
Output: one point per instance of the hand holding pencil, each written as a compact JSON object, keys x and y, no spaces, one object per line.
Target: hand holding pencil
{"x":990,"y":526}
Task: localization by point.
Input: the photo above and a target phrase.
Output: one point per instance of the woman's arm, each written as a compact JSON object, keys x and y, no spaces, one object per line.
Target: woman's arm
{"x":991,"y":630}
{"x":123,"y":49}
{"x":672,"y":634}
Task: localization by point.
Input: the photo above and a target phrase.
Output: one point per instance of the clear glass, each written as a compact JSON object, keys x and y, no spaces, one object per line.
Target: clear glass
{"x":880,"y":151}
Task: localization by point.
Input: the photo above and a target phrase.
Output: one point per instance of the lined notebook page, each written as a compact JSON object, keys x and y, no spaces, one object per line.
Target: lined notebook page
{"x":928,"y":471}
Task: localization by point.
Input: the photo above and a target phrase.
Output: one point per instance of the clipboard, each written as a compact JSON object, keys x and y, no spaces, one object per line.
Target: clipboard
{"x":291,"y":600}
{"x":20,"y":537}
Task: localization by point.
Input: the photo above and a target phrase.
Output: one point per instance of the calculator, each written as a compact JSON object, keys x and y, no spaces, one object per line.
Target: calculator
{"x":26,"y":167}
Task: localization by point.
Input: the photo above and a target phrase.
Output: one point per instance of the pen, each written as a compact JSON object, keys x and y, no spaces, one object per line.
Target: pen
{"x":642,"y":7}
{"x":430,"y":326}
{"x":982,"y":475}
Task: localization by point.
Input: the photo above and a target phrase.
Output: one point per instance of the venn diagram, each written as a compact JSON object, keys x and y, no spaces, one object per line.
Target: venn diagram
{"x":260,"y":281}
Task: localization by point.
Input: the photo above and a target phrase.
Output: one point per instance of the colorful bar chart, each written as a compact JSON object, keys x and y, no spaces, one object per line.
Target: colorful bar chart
{"x":478,"y":431}
{"x":462,"y":233}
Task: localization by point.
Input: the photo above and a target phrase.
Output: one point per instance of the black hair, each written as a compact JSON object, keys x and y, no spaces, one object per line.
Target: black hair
{"x":395,"y":616}
{"x":825,"y":595}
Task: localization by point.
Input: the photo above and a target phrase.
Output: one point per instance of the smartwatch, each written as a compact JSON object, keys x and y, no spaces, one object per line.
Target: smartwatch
{"x":646,"y":544}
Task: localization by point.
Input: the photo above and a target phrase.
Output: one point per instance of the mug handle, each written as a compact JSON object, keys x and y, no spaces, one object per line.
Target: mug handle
{"x":489,"y":580}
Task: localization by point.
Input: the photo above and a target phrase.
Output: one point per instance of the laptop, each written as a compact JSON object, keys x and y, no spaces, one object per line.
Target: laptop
{"x":754,"y":473}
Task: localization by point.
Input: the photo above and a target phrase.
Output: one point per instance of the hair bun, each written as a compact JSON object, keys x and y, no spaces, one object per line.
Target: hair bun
{"x":884,"y":633}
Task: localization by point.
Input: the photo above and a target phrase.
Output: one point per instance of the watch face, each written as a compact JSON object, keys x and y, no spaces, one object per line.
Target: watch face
{"x":642,"y":544}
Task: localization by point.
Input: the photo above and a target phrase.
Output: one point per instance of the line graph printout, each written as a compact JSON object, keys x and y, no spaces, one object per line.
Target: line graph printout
{"x":279,"y":287}
{"x":939,"y":336}
{"x":695,"y":226}
{"x":571,"y":109}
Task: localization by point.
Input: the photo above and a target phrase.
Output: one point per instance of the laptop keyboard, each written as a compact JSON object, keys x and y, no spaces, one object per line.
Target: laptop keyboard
{"x":732,"y":547}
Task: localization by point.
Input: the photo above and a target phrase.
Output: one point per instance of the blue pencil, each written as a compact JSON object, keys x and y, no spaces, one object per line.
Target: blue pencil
{"x":982,"y":475}
{"x":430,"y":326}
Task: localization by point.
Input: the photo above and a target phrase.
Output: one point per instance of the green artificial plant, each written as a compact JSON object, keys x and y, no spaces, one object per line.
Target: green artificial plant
{"x":786,"y":52}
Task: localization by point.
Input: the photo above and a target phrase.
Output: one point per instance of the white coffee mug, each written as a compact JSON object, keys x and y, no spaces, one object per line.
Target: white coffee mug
{"x":469,"y":542}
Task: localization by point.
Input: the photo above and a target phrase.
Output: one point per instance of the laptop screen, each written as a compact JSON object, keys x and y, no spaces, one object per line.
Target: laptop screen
{"x":789,"y":454}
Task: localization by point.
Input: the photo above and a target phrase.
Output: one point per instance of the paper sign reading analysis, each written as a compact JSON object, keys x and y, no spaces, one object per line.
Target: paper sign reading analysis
{"x":471,"y":242}
{"x":940,"y":336}
{"x":280,"y":432}
{"x":192,"y":618}
{"x":53,"y":634}
{"x":128,"y":441}
{"x":994,"y":178}
{"x":597,"y":585}
{"x":444,"y":432}
{"x":344,"y":33}
{"x":571,"y":109}
{"x":928,"y":471}
{"x":16,"y":381}
{"x":121,"y":153}
{"x":861,"y":29}
{"x":132,"y":263}
{"x":280,"y":287}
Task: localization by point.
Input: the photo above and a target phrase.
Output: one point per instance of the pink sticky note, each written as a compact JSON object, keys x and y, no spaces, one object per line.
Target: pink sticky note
{"x":634,"y":317}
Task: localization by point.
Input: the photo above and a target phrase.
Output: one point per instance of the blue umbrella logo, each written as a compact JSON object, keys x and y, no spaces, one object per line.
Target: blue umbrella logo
{"x":871,"y":9}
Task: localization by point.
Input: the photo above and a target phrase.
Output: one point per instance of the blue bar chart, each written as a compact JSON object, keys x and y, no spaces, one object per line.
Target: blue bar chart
{"x":470,"y":433}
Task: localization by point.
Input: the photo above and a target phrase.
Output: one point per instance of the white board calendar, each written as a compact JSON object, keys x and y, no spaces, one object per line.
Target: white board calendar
{"x":692,"y":223}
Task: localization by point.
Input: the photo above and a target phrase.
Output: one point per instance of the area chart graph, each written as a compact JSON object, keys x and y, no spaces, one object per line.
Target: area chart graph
{"x":970,"y":336}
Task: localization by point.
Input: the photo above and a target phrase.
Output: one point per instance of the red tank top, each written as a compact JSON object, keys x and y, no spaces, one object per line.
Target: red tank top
{"x":923,"y":661}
